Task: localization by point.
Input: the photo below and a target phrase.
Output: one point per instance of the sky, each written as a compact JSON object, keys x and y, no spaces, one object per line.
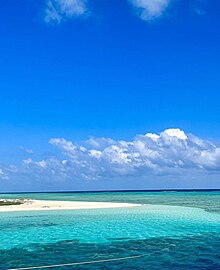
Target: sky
{"x":120,"y":94}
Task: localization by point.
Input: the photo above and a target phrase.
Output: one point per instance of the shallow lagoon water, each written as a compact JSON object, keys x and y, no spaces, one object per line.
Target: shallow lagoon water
{"x":175,"y":231}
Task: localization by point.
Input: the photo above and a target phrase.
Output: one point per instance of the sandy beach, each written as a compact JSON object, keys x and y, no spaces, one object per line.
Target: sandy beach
{"x":31,"y":205}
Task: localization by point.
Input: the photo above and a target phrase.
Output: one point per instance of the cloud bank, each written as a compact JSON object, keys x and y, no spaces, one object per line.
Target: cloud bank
{"x":171,"y":152}
{"x":59,"y":10}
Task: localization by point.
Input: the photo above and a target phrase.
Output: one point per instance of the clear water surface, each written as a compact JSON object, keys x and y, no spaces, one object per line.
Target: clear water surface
{"x":173,"y":230}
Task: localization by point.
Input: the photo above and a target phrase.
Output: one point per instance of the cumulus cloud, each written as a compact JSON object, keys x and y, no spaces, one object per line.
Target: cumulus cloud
{"x":149,"y":10}
{"x":170,"y":152}
{"x":172,"y":149}
{"x":58,"y":10}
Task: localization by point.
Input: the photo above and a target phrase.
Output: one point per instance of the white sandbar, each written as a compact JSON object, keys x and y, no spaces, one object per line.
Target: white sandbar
{"x":31,"y":205}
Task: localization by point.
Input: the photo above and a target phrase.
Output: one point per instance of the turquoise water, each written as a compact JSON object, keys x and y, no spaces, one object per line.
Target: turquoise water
{"x":174,"y":230}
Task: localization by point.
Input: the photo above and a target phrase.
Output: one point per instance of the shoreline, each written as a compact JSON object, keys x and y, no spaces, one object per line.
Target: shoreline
{"x":46,"y":205}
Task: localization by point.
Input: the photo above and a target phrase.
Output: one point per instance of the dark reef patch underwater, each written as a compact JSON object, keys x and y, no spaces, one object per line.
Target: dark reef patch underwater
{"x":192,"y":252}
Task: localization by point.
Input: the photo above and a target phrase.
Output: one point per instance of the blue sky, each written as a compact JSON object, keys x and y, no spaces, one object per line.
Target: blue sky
{"x":76,"y":69}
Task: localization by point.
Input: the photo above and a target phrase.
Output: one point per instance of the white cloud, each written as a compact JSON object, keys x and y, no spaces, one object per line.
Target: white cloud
{"x":171,"y":152}
{"x":26,"y":150}
{"x":100,"y":142}
{"x":3,"y":174}
{"x":176,"y":132}
{"x":58,"y":10}
{"x":149,"y":10}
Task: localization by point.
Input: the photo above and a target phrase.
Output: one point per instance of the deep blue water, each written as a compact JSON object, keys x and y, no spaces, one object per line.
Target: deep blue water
{"x":173,"y":230}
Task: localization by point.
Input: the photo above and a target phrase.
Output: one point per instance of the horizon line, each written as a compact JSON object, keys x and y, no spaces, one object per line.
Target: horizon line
{"x":119,"y":190}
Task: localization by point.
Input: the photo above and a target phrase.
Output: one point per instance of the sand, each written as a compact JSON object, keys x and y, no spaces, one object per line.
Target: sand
{"x":44,"y":205}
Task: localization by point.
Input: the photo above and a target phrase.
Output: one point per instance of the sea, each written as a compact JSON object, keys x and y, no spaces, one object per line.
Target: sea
{"x":169,"y":230}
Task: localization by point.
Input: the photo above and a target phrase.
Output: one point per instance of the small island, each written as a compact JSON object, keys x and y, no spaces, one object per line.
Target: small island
{"x":11,"y":205}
